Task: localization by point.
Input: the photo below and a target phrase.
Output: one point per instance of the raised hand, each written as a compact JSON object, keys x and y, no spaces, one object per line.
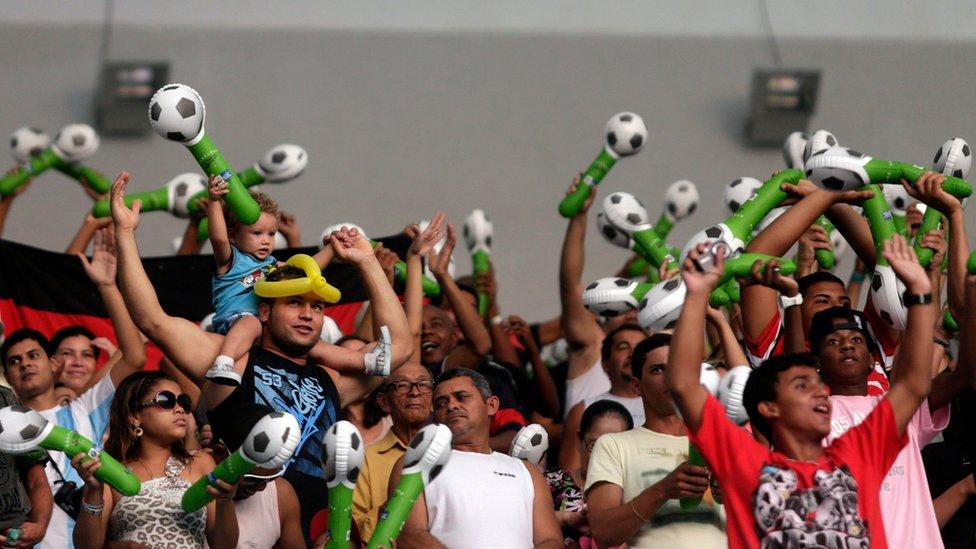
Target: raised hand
{"x":771,"y":277}
{"x":350,"y":246}
{"x":440,"y":261}
{"x":86,"y":468}
{"x":686,"y":481}
{"x":903,"y":261}
{"x":815,"y":238}
{"x":702,"y":277}
{"x":586,"y":203}
{"x":928,"y":189}
{"x":288,"y":227}
{"x":424,"y":242}
{"x":388,"y":260}
{"x":935,"y":241}
{"x":125,"y":219}
{"x":102,"y":267}
{"x":217,"y":188}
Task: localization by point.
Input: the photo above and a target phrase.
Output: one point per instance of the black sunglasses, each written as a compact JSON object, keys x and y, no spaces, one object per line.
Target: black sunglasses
{"x":167,"y":401}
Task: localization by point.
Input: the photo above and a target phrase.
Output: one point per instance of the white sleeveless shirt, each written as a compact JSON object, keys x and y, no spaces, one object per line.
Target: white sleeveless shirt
{"x":258,"y":520}
{"x":481,"y":501}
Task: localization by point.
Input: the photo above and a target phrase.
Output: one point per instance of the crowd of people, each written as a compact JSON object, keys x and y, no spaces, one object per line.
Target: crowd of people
{"x":831,"y":429}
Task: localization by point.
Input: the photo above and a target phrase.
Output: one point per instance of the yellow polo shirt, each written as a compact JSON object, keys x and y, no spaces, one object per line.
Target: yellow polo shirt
{"x":374,"y":479}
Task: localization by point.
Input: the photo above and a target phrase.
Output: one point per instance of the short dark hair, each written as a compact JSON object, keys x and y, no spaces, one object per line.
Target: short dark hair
{"x":72,"y":331}
{"x":640,"y":352}
{"x":603,"y":408}
{"x":817,"y":277}
{"x":607,"y":344}
{"x":480,"y":381}
{"x":23,"y":334}
{"x":761,"y":386}
{"x":284,"y":272}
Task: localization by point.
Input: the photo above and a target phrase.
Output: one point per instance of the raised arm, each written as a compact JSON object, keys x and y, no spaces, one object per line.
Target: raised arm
{"x":948,"y":384}
{"x":683,"y":373}
{"x":7,"y":201}
{"x":731,"y":350}
{"x":219,"y":240}
{"x":545,"y":394}
{"x":545,"y":528}
{"x":413,"y":295}
{"x":102,"y":270}
{"x":84,"y":235}
{"x":911,"y":377}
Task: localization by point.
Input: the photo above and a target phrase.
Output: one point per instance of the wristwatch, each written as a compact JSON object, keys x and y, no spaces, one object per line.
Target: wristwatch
{"x":916,"y":299}
{"x":787,"y":302}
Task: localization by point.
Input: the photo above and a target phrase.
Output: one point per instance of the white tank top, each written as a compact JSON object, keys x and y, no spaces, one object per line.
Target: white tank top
{"x":481,"y":501}
{"x":258,"y":520}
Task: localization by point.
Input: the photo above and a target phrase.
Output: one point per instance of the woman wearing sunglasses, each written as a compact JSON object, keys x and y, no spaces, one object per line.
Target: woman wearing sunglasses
{"x":148,"y":424}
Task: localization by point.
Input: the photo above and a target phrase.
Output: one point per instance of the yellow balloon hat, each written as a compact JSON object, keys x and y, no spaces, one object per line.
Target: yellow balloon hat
{"x":313,"y":282}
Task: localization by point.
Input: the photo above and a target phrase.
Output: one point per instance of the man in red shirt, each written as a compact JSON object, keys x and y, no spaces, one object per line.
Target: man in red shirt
{"x":801,"y":493}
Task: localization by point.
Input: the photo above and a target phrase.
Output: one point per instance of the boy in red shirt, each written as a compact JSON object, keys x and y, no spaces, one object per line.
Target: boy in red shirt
{"x":801,"y":493}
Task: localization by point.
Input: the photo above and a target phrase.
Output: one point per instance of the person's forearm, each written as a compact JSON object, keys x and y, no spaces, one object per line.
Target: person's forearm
{"x":731,"y":349}
{"x":958,"y":255}
{"x":855,"y":230}
{"x":413,"y":299}
{"x":323,"y":257}
{"x":190,"y":245}
{"x":578,"y":324}
{"x":90,"y":530}
{"x":79,"y":243}
{"x":782,"y":233}
{"x":39,"y":494}
{"x":137,"y":291}
{"x":386,"y":310}
{"x":225,"y":526}
{"x":794,"y":341}
{"x":468,"y":320}
{"x":687,"y":345}
{"x":128,"y":336}
{"x":545,"y":387}
{"x":364,"y":330}
{"x":912,"y":366}
{"x":5,"y":203}
{"x":217,"y":228}
{"x":502,"y":442}
{"x":548,"y":331}
{"x":571,"y":257}
{"x":617,"y":525}
{"x":951,"y":500}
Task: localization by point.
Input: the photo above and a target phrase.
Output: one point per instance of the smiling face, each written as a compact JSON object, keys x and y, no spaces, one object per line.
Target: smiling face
{"x":293,"y":324}
{"x":164,"y":426}
{"x":820,"y":296}
{"x":76,"y":356}
{"x":802,"y":405}
{"x":438,"y":336}
{"x":845,"y":358}
{"x":28,"y":369}
{"x":256,"y":239}
{"x":459,"y":405}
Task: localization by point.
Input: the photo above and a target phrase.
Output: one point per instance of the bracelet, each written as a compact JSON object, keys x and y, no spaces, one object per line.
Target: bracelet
{"x":93,"y":510}
{"x":857,"y":276}
{"x":916,"y":299}
{"x":634,"y":509}
{"x":497,"y":320}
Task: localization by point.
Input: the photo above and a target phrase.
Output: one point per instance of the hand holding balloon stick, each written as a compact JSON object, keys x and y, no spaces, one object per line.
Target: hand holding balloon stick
{"x":427,"y":455}
{"x":625,"y":136}
{"x":269,"y":445}
{"x":344,"y":455}
{"x":478,"y":232}
{"x":954,"y":158}
{"x":627,"y":215}
{"x":25,"y":430}
{"x":74,"y":142}
{"x":177,"y":113}
{"x":796,"y":150}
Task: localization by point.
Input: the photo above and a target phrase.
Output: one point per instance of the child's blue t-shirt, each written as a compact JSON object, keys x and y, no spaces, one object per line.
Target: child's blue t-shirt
{"x":233,"y":291}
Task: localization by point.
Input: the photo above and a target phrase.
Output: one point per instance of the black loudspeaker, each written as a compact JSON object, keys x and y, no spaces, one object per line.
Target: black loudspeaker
{"x":122,"y":97}
{"x":782,"y":101}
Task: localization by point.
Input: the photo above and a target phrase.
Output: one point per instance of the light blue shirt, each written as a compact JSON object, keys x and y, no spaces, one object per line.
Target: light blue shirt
{"x":233,"y":291}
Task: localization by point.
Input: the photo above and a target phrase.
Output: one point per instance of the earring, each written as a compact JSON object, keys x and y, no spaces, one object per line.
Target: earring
{"x":137,"y":431}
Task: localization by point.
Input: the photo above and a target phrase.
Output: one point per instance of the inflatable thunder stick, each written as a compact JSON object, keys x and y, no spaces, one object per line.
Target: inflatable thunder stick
{"x":88,"y":176}
{"x":953,"y":158}
{"x":269,"y":444}
{"x":795,"y":154}
{"x":174,"y":197}
{"x":25,"y":430}
{"x":710,"y":380}
{"x":530,"y":444}
{"x":626,"y":214}
{"x":680,"y":201}
{"x":427,"y":455}
{"x":177,"y":113}
{"x":886,"y":290}
{"x":73,"y":143}
{"x":625,"y":136}
{"x":843,"y":169}
{"x":825,"y":258}
{"x":477,"y":234}
{"x":344,"y":455}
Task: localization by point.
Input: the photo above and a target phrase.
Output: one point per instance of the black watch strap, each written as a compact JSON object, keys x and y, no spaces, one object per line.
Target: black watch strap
{"x":916,"y":299}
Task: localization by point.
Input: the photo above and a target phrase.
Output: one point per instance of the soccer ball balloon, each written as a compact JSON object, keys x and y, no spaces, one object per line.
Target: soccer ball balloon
{"x":428,"y":452}
{"x":839,"y":244}
{"x":530,"y":444}
{"x":626,"y":133}
{"x":720,"y":236}
{"x":898,"y":200}
{"x":283,"y":163}
{"x":793,"y":148}
{"x":181,"y":189}
{"x":886,"y":296}
{"x":730,"y":393}
{"x":953,"y":158}
{"x":739,"y":191}
{"x":710,"y":378}
{"x":838,"y":169}
{"x":21,"y":429}
{"x":626,"y":213}
{"x":272,"y":440}
{"x":27,"y":142}
{"x":681,"y":199}
{"x":821,"y":140}
{"x":76,"y":141}
{"x":177,"y":112}
{"x":478,"y":231}
{"x":613,"y":235}
{"x":661,"y":306}
{"x":344,"y":454}
{"x":610,"y":296}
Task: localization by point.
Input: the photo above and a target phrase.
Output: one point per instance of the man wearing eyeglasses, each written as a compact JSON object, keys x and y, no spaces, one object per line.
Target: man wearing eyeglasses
{"x":406,"y":397}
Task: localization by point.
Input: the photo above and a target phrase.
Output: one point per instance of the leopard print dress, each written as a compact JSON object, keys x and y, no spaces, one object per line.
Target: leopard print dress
{"x":154,"y":516}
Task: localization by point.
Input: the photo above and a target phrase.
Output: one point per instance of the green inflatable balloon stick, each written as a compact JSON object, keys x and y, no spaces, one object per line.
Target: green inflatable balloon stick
{"x":710,"y":380}
{"x":886,"y":290}
{"x":478,"y":231}
{"x":627,"y":215}
{"x":177,"y":113}
{"x":269,"y":445}
{"x":27,"y":143}
{"x":344,"y":455}
{"x":795,"y":152}
{"x":954,"y":158}
{"x":843,"y":169}
{"x":625,"y":136}
{"x":73,"y":142}
{"x":680,"y":201}
{"x":427,"y":455}
{"x":174,"y":197}
{"x":24,"y":430}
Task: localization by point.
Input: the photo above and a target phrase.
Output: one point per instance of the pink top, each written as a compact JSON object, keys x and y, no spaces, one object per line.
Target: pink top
{"x":906,"y":504}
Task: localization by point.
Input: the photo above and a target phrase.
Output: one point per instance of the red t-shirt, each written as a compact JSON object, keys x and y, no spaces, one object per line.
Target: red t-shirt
{"x":774,"y":501}
{"x":771,"y":339}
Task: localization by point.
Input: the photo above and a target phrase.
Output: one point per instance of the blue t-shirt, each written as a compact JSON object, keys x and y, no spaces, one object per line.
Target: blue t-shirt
{"x":233,"y":291}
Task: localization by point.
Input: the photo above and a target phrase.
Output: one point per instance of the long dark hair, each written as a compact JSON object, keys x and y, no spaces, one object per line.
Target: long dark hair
{"x":122,"y":443}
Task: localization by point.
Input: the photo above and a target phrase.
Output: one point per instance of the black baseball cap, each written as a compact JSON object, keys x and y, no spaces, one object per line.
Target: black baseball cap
{"x":838,"y":318}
